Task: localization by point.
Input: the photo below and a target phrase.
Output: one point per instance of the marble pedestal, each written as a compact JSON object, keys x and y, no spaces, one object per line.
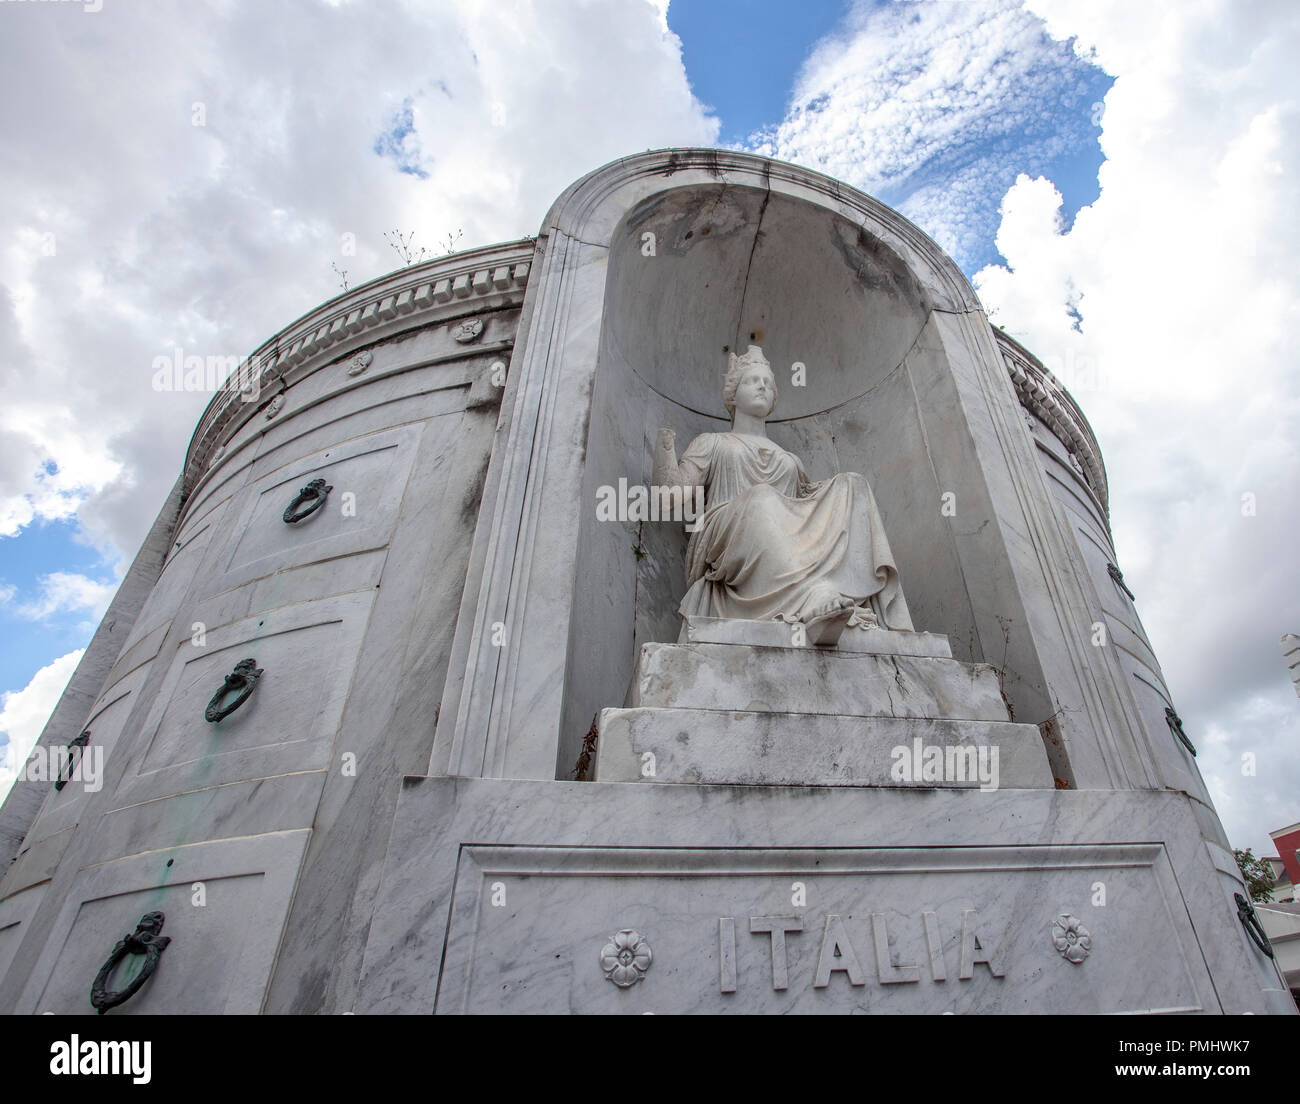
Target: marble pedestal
{"x":738,"y":704}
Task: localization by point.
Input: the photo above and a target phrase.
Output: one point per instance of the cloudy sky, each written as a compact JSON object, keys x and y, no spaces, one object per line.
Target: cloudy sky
{"x":1117,"y":178}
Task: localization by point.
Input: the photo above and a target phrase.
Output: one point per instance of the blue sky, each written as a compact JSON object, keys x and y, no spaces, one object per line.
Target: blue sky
{"x":1113,"y":178}
{"x":742,"y":57}
{"x":39,"y":550}
{"x":744,"y":60}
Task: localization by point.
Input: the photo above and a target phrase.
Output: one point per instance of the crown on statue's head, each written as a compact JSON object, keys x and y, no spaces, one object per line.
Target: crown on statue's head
{"x":737,"y":366}
{"x":747,"y":359}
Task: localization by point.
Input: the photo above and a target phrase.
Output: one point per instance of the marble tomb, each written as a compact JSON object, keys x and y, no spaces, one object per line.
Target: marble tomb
{"x":445,"y":683}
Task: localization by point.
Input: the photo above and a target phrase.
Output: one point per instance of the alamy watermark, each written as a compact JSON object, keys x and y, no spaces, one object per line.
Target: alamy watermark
{"x":945,"y":763}
{"x":639,"y":503}
{"x":64,"y":765}
{"x":180,"y":372}
{"x":91,"y":1057}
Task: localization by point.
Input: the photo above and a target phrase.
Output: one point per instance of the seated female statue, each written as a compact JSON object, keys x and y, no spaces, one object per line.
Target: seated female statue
{"x":771,"y":545}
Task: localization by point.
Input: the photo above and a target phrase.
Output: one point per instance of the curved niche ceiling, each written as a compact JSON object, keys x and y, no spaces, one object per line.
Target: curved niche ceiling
{"x":732,"y":266}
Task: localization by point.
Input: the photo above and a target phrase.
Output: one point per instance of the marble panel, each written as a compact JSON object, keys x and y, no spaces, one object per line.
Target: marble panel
{"x":224,"y":476}
{"x":15,"y":911}
{"x":66,"y":807}
{"x":37,"y":862}
{"x":1176,"y":763}
{"x":307,"y":652}
{"x":368,"y":406}
{"x":1267,"y":971}
{"x":1072,"y":492}
{"x":138,"y":653}
{"x":877,"y":931}
{"x":182,"y":564}
{"x":253,"y":808}
{"x":223,"y":941}
{"x":368,"y":477}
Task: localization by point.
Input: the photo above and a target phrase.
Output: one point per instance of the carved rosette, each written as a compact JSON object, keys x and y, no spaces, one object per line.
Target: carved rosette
{"x":360,"y":363}
{"x":625,"y":958}
{"x":1071,"y":939}
{"x":274,"y":407}
{"x":467,"y":331}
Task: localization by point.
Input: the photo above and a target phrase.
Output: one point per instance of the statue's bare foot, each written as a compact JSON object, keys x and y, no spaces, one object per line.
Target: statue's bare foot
{"x":863,"y":617}
{"x":828,"y":620}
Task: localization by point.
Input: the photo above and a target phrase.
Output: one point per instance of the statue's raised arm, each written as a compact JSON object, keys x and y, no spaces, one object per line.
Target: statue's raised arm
{"x":667,"y":471}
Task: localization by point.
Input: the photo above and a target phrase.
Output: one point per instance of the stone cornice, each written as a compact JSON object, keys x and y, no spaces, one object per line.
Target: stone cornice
{"x":1042,"y":395}
{"x":490,"y":278}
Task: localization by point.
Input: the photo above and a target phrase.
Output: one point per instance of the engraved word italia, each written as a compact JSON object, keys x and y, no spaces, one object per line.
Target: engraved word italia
{"x":652,"y":503}
{"x":838,"y":954}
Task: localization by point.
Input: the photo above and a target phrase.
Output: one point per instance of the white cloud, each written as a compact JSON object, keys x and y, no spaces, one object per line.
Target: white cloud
{"x":927,"y":106}
{"x":127,"y":231}
{"x":23,"y":714}
{"x":1187,"y":294}
{"x":65,"y":591}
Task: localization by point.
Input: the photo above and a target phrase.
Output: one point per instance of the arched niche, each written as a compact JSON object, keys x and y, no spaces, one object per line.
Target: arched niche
{"x":649,"y":269}
{"x":696,"y":271}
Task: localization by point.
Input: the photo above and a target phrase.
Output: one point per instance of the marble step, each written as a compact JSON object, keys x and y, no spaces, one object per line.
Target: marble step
{"x":813,"y":680}
{"x":779,"y":634}
{"x":749,"y":748}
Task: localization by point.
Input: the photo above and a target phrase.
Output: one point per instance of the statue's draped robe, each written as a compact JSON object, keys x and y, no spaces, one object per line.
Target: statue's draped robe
{"x":770,"y":545}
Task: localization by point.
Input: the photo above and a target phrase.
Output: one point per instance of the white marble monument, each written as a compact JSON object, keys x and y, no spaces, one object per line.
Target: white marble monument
{"x":498,"y":704}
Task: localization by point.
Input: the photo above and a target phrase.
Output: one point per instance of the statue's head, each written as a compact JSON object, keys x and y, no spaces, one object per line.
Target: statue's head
{"x":752,"y":371}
